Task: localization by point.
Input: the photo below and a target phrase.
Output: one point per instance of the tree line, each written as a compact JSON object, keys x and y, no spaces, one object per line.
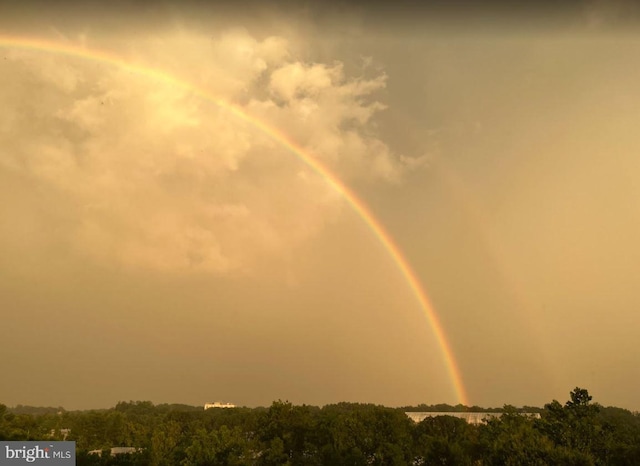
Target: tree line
{"x":577,"y":432}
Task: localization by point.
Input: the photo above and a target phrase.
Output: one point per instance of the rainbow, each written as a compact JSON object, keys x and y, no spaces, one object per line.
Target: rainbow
{"x":278,"y":136}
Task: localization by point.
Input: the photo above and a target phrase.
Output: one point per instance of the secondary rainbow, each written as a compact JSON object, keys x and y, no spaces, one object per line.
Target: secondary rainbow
{"x":358,"y":205}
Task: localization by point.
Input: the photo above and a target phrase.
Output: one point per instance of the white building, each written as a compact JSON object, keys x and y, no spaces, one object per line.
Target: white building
{"x":117,"y":451}
{"x":471,"y":418}
{"x":218,"y":404}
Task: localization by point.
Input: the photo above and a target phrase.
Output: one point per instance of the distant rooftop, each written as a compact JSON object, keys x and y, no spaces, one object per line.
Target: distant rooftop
{"x":117,"y":451}
{"x":218,"y":404}
{"x":471,"y":418}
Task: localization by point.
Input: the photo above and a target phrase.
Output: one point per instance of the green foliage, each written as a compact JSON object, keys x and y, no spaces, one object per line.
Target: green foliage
{"x":219,"y":447}
{"x":364,"y":434}
{"x":36,"y":410}
{"x":444,"y":440}
{"x":576,"y":433}
{"x":512,"y":440}
{"x":575,"y":426}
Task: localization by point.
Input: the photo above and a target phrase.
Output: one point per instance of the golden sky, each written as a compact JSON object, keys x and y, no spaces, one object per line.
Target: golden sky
{"x":155,"y":246}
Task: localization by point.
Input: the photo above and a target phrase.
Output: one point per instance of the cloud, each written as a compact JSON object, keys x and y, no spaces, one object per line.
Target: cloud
{"x":153,"y":176}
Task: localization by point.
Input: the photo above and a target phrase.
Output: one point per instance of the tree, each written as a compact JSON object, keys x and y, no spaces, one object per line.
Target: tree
{"x":443,"y":440}
{"x":218,"y":448}
{"x":164,"y":441}
{"x":512,"y":440}
{"x":574,"y":426}
{"x":294,"y":426}
{"x":354,"y":434}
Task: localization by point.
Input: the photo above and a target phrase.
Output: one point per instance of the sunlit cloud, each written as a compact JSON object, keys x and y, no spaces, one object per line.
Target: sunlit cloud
{"x":156,"y":177}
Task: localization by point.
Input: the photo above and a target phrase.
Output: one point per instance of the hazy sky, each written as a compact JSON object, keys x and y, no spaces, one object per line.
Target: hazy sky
{"x":153,"y":246}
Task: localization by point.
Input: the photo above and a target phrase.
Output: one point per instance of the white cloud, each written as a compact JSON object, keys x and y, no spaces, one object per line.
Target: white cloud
{"x":296,"y":80}
{"x":157,"y":177}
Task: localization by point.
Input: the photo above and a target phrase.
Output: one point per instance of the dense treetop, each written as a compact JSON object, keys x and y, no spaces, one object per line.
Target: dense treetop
{"x":577,"y":432}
